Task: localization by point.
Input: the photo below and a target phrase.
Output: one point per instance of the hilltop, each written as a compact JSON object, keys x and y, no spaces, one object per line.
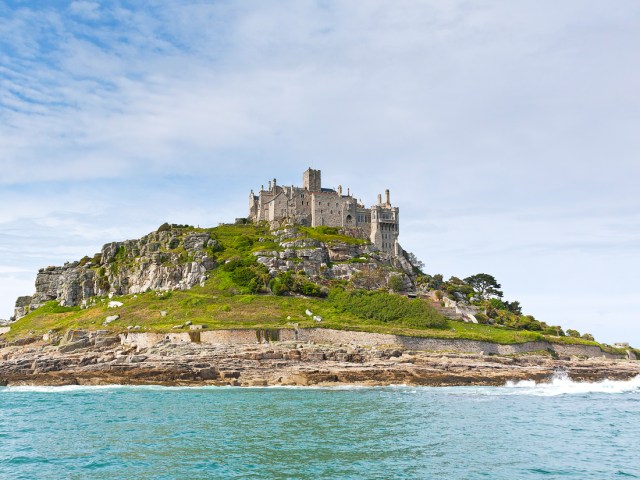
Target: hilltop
{"x":244,"y":304}
{"x":248,"y":276}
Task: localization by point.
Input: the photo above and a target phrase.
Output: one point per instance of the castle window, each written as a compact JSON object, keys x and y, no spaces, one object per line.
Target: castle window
{"x":348,"y":219}
{"x":331,"y":212}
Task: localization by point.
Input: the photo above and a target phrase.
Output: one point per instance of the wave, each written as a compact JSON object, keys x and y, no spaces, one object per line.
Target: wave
{"x":561,"y":384}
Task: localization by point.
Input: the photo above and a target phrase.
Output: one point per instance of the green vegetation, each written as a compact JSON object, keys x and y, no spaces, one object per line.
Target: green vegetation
{"x":240,"y":293}
{"x":387,"y":308}
{"x":482,"y":291}
{"x":330,"y":235}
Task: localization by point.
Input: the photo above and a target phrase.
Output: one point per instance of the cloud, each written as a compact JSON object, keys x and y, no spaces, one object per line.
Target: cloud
{"x":507,"y":133}
{"x":88,"y":10}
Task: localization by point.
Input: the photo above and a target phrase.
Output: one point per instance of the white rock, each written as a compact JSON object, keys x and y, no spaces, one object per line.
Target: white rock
{"x":163,"y":313}
{"x":110,"y":318}
{"x":317,"y":318}
{"x":114,"y":304}
{"x":308,"y":312}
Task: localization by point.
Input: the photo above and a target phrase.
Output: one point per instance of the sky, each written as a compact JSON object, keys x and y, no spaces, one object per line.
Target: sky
{"x":507,"y":132}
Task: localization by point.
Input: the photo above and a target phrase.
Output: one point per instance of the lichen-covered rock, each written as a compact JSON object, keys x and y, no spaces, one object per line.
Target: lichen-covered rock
{"x":361,"y":264}
{"x":176,"y":259}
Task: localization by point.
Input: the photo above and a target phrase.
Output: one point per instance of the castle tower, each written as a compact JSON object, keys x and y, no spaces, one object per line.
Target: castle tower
{"x":311,"y":180}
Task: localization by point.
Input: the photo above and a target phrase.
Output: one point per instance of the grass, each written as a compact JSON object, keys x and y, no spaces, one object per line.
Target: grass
{"x":214,"y":306}
{"x":330,"y":235}
{"x":223,"y":304}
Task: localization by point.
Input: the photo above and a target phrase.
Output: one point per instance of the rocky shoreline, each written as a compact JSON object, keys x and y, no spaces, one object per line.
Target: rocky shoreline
{"x":109,"y":360}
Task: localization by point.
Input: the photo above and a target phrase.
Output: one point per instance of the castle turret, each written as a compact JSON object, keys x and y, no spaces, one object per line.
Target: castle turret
{"x":388,"y":197}
{"x":311,"y":180}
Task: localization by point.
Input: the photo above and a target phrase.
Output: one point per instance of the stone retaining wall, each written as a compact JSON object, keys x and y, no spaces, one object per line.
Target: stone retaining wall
{"x":361,"y":339}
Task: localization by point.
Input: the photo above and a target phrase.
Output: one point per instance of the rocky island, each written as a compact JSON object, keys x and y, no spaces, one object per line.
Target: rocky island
{"x":311,"y":288}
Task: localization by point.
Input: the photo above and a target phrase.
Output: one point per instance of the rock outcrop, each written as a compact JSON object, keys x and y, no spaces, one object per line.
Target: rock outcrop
{"x":175,"y":259}
{"x":362,"y":264}
{"x":179,"y":258}
{"x":94,"y":358}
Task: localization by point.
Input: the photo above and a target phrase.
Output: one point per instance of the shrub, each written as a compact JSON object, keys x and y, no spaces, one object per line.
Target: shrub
{"x":573,"y":333}
{"x":278,"y":286}
{"x":243,"y":276}
{"x":165,"y":227}
{"x":496,"y":304}
{"x":310,"y":289}
{"x":386,"y":307}
{"x":395,"y":283}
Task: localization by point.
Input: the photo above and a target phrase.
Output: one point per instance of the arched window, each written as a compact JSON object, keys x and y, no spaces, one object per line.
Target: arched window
{"x":349,"y":219}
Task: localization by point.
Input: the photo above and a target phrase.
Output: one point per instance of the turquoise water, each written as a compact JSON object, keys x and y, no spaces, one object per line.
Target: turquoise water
{"x":561,"y":430}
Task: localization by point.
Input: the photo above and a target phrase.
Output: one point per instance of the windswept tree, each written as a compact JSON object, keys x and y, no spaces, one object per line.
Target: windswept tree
{"x":513,"y":307}
{"x":416,"y":263}
{"x":484,"y":285}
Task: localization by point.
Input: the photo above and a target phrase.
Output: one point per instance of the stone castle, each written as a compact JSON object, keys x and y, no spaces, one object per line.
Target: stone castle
{"x":312,"y":205}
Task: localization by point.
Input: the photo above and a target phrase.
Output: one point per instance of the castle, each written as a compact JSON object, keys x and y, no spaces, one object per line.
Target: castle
{"x":314,"y":206}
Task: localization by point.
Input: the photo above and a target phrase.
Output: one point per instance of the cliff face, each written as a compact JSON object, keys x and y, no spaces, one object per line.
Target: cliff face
{"x":167,"y":260}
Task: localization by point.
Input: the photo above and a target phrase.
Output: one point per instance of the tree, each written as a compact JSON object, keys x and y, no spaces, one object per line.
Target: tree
{"x":514,"y":307}
{"x":417,"y":264}
{"x":573,"y":333}
{"x":484,"y":285}
{"x":588,"y":336}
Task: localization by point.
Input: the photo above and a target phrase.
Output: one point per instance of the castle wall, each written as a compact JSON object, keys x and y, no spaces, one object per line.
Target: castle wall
{"x":327,"y":209}
{"x":363,"y":339}
{"x":314,"y":206}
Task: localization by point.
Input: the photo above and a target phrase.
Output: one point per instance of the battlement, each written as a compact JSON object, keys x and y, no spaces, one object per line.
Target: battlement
{"x":312,"y":205}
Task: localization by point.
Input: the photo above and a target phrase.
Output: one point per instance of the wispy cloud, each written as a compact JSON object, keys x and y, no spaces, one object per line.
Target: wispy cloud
{"x":507,"y":133}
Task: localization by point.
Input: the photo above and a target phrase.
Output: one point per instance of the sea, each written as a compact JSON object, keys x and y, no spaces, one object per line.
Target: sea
{"x":525,"y":430}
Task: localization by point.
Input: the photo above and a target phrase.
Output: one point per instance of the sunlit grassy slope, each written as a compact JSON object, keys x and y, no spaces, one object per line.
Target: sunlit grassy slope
{"x":217,"y":309}
{"x":220,"y":304}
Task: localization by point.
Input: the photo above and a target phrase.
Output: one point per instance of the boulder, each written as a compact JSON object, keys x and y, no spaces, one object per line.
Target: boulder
{"x":110,"y":318}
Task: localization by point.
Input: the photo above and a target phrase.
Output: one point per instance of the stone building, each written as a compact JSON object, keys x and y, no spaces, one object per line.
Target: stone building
{"x":312,"y":205}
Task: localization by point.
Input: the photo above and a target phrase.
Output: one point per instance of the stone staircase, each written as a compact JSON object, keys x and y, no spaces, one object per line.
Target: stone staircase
{"x":448,"y":312}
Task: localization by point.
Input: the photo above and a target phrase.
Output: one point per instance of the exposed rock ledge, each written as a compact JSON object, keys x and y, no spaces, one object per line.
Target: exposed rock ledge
{"x":248,"y":358}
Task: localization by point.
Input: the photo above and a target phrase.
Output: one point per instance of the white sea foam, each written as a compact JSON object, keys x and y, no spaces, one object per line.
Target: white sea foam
{"x":83,"y":388}
{"x":561,"y":384}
